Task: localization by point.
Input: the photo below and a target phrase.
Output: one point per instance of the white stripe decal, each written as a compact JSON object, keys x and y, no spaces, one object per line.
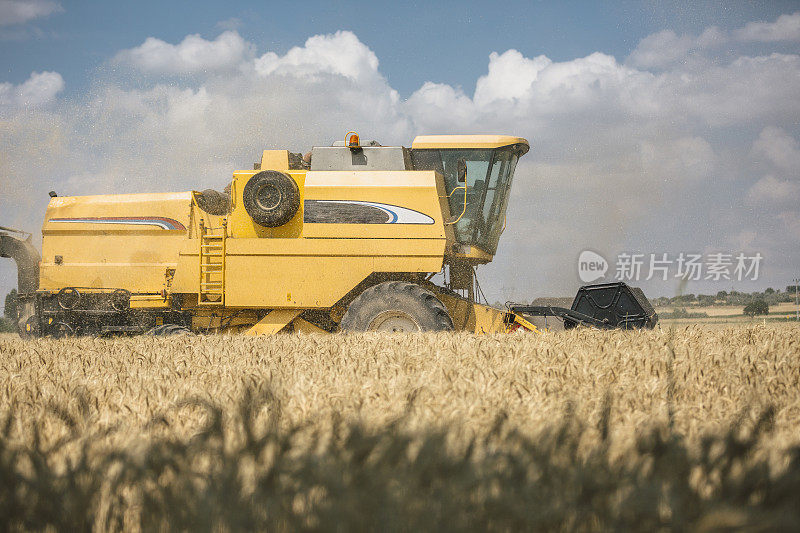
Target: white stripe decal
{"x":397,"y":214}
{"x":135,"y":222}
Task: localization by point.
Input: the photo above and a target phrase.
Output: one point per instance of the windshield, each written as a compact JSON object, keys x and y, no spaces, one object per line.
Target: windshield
{"x":489,"y":174}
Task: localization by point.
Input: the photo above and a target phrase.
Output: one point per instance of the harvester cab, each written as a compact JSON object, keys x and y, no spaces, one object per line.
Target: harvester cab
{"x":349,"y":237}
{"x":477,"y":172}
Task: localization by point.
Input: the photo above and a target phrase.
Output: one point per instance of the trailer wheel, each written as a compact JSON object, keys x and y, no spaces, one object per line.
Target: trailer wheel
{"x":62,"y":330}
{"x":271,"y":198}
{"x":120,"y":300}
{"x":396,"y":306}
{"x":29,"y":329}
{"x":68,"y":298}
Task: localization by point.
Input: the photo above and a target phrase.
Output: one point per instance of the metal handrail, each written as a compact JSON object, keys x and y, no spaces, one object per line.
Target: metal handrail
{"x":464,"y":210}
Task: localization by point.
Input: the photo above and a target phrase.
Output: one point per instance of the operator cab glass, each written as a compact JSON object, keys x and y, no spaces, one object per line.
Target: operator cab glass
{"x":489,"y":175}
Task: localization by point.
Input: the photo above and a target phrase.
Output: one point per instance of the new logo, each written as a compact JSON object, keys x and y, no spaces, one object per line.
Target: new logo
{"x":591,"y":266}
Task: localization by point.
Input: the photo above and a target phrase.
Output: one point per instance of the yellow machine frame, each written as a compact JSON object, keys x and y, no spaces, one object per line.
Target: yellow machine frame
{"x":232,"y":274}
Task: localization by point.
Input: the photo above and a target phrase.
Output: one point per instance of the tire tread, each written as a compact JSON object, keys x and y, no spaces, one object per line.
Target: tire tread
{"x":390,"y":292}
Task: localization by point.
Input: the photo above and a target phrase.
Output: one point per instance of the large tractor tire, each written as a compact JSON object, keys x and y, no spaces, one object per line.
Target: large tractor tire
{"x":271,"y":198}
{"x":396,"y":306}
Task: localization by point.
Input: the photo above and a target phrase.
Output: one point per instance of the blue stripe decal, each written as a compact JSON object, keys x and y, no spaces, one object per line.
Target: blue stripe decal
{"x":396,"y":214}
{"x":160,"y":222}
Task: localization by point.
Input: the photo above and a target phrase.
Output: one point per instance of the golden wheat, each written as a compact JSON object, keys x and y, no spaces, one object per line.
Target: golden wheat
{"x":581,"y":430}
{"x":456,"y":380}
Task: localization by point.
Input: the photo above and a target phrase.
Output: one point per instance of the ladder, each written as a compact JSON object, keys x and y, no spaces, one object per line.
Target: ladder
{"x":212,"y":265}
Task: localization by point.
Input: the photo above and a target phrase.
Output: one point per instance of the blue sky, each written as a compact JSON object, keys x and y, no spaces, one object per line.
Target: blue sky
{"x":656,"y":127}
{"x":446,"y":42}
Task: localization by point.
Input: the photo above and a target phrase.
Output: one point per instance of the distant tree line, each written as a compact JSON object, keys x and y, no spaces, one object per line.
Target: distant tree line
{"x":756,"y":307}
{"x":681,"y":312}
{"x":9,"y":312}
{"x":770,"y":296}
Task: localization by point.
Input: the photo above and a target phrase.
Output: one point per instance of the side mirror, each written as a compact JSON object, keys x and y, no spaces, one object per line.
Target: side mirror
{"x":462,"y":171}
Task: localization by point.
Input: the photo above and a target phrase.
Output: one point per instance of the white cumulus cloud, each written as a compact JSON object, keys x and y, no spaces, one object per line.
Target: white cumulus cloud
{"x":772,"y":190}
{"x":666,"y":48}
{"x":39,"y":89}
{"x":341,"y":53}
{"x":21,"y":11}
{"x":785,"y":28}
{"x":510,"y":77}
{"x":791,"y":222}
{"x":661,"y":49}
{"x":780,"y":148}
{"x":678,"y":161}
{"x":776,"y":149}
{"x":191,"y":56}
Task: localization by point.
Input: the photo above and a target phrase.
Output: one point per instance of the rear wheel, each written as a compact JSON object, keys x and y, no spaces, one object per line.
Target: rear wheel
{"x":62,"y":330}
{"x":396,"y":306}
{"x":29,"y":329}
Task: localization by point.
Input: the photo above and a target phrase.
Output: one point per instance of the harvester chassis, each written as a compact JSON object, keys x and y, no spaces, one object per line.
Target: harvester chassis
{"x":92,"y":312}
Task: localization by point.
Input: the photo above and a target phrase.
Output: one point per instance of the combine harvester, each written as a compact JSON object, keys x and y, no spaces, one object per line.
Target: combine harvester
{"x":346,"y":239}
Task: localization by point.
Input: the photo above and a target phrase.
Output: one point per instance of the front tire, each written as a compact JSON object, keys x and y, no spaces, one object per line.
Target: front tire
{"x":396,"y":306}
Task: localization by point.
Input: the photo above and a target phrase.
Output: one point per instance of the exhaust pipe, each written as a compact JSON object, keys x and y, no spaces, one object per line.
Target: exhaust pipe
{"x":27,"y":258}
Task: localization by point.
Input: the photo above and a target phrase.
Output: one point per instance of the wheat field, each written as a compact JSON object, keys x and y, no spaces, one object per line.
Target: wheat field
{"x":686,"y":427}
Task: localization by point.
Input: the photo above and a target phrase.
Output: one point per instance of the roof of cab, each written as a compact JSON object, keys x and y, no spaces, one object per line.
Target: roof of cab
{"x":466,"y":141}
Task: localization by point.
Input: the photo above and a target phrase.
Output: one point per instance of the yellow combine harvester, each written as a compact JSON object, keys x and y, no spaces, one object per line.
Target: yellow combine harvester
{"x":346,"y":238}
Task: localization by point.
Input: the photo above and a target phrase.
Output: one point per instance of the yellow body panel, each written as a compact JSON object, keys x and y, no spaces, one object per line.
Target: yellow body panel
{"x":215,"y":320}
{"x":474,"y":317}
{"x":419,"y":191}
{"x":308,"y":273}
{"x":518,"y":321}
{"x":274,"y":160}
{"x":471,"y":254}
{"x":304,"y":265}
{"x":149,"y":301}
{"x":465,"y":141}
{"x":113,"y":241}
{"x":274,"y":321}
